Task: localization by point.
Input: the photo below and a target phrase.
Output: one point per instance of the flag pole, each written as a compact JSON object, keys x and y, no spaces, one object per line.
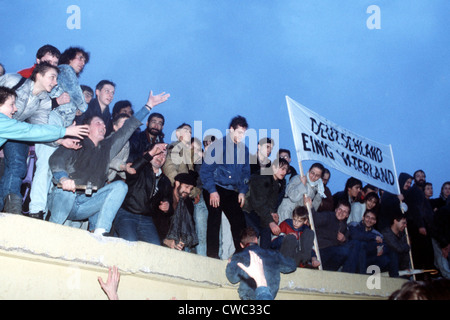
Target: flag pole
{"x":311,"y":221}
{"x":408,"y":241}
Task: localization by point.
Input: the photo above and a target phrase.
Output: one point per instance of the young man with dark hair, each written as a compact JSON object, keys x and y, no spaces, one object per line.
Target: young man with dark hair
{"x":225,"y":174}
{"x":261,"y":202}
{"x":274,"y":264}
{"x":141,"y":141}
{"x":369,"y":244}
{"x":351,"y":191}
{"x":332,"y":237}
{"x":46,"y":53}
{"x":260,"y":162}
{"x":395,"y":240}
{"x":33,"y":105}
{"x":99,"y":106}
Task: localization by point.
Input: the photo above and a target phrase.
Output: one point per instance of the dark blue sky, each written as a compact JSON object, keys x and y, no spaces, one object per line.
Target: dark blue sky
{"x":222,"y":58}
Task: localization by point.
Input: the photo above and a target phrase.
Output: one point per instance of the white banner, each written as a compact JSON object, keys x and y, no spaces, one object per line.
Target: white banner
{"x":319,"y":139}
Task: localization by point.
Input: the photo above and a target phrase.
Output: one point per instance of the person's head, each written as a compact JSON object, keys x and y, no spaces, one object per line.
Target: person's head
{"x":7,"y":101}
{"x":75,"y":57}
{"x":326,"y":176}
{"x":155,"y":124}
{"x":97,"y":128}
{"x":48,"y":53}
{"x":122,"y":106}
{"x":197,"y":151}
{"x":434,"y":289}
{"x":299,"y":217}
{"x":237,"y":127}
{"x":285,"y":154}
{"x":445,"y":190}
{"x":184,"y":133}
{"x":2,"y":70}
{"x":398,"y":223}
{"x":428,"y":190}
{"x":207,"y":140}
{"x":158,"y":159}
{"x":265,"y":146}
{"x":88,"y":93}
{"x":45,"y":77}
{"x":104,"y":91}
{"x":368,"y":188}
{"x":315,"y":172}
{"x":184,"y":183}
{"x":280,"y":168}
{"x":342,"y":209}
{"x":353,"y":187}
{"x":248,"y":236}
{"x":372,"y":199}
{"x":369,"y":219}
{"x":404,"y":181}
{"x":118,"y":120}
{"x":419,"y":178}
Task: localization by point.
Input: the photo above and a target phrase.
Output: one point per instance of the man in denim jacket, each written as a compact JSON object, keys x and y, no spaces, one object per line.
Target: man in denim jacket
{"x":225,"y":174}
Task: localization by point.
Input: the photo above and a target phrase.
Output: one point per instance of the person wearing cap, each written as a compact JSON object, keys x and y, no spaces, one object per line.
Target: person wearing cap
{"x":181,"y":228}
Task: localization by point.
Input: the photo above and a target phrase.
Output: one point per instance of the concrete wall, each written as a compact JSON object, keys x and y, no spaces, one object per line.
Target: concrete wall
{"x":42,"y":260}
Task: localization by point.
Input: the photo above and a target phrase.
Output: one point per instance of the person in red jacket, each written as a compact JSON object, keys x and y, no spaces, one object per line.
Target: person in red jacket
{"x":296,"y":239}
{"x":47,"y":53}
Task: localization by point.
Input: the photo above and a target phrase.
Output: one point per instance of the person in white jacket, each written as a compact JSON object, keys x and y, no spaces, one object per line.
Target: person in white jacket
{"x":310,"y":184}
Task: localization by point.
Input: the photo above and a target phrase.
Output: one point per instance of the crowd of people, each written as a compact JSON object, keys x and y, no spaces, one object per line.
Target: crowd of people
{"x":96,"y":169}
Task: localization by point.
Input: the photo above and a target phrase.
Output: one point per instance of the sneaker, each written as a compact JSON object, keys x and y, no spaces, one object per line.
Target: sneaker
{"x":39,"y":215}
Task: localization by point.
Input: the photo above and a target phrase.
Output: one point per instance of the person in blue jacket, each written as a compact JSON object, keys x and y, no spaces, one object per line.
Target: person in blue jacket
{"x":11,"y":129}
{"x":273,"y":261}
{"x":225,"y":174}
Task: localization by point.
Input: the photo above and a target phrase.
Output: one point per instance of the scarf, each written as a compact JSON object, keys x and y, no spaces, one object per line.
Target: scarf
{"x":318,"y":185}
{"x":182,"y":226}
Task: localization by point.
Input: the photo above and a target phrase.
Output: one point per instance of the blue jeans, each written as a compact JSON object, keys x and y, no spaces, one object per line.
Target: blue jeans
{"x":201,"y":224}
{"x":15,"y":170}
{"x":100,"y":208}
{"x":42,"y":179}
{"x":134,"y":227}
{"x":334,"y":257}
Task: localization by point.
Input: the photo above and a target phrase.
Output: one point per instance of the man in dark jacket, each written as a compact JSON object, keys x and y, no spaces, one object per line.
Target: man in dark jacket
{"x":369,"y":243}
{"x":261,"y":203}
{"x":99,"y":106}
{"x":74,"y":168}
{"x":395,"y":239}
{"x":420,"y":221}
{"x":274,"y":263}
{"x":332,"y":237}
{"x":147,"y":201}
{"x":141,"y":141}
